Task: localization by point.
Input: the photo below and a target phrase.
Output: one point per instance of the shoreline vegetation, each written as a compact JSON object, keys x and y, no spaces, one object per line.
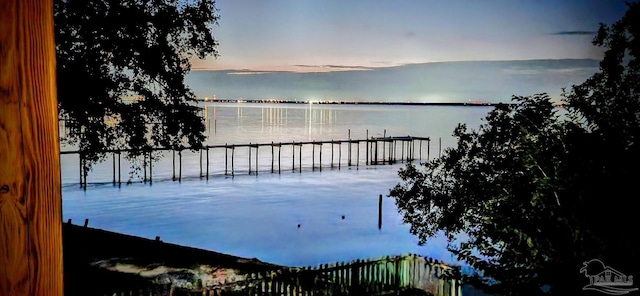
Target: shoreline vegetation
{"x":100,"y":262}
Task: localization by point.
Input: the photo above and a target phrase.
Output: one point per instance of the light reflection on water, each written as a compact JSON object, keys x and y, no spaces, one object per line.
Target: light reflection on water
{"x":257,"y":216}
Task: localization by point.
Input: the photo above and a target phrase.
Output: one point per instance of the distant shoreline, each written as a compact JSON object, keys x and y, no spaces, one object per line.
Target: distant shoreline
{"x":241,"y":101}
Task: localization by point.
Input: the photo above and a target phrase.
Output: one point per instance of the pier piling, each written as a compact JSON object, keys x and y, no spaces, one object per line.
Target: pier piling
{"x":119,"y":175}
{"x":180,"y":167}
{"x":207,"y":163}
{"x":113,"y":158}
{"x":150,"y":167}
{"x":367,"y":149}
{"x":380,"y":212}
{"x":349,"y":151}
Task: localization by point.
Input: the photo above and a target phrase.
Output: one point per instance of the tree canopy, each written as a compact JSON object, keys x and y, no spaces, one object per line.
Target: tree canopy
{"x":121,"y":66}
{"x":536,"y":191}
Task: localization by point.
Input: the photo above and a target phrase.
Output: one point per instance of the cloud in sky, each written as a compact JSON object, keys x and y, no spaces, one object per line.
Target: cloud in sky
{"x":590,"y":33}
{"x":336,"y":67}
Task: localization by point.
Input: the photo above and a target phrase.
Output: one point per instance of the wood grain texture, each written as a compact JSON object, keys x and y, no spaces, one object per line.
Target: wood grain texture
{"x":30,"y":194}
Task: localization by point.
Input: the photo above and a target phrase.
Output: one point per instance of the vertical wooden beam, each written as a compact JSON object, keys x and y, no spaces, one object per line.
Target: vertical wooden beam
{"x":119,"y":174}
{"x":380,"y":212}
{"x":293,"y":154}
{"x":207,"y":162}
{"x":384,"y":137}
{"x":358,"y":155}
{"x":339,"y":154}
{"x":300,"y":159}
{"x":80,"y":167}
{"x":332,"y":143}
{"x":144,"y":166}
{"x":366,"y":162}
{"x":113,"y":158}
{"x":30,"y":188}
{"x":320,"y":161}
{"x":150,"y":167}
{"x":349,"y":151}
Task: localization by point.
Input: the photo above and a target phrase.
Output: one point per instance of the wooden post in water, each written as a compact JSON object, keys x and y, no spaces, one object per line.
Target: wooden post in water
{"x":332,"y":143}
{"x":200,"y":152}
{"x":173,"y":162}
{"x":150,"y":167}
{"x":226,"y":157}
{"x":279,"y":149}
{"x":257,"y":162}
{"x":233,"y":152}
{"x":349,"y":151}
{"x":207,"y":163}
{"x":320,"y":161}
{"x":395,"y":149}
{"x":30,"y":191}
{"x":376,"y":152}
{"x":402,"y":151}
{"x":384,"y":142}
{"x":300,"y":159}
{"x":339,"y":154}
{"x":85,"y":172}
{"x":420,"y":150}
{"x":439,"y":147}
{"x":144,"y":166}
{"x":180,"y":165}
{"x":358,"y":154}
{"x":80,"y":167}
{"x":272,"y":157}
{"x":293,"y":156}
{"x":380,"y":212}
{"x":249,"y":158}
{"x":429,"y":149}
{"x":367,"y":149}
{"x":413,"y":149}
{"x":119,"y":175}
{"x":313,"y":156}
{"x":113,"y":158}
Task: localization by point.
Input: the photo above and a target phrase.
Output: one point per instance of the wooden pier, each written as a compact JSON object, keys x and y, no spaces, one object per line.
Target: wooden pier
{"x":376,"y":151}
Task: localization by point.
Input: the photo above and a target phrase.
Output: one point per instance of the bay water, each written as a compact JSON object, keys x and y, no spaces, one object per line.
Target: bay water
{"x":297,"y":217}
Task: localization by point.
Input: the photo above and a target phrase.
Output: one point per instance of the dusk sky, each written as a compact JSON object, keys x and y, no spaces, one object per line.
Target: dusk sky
{"x":311,"y":36}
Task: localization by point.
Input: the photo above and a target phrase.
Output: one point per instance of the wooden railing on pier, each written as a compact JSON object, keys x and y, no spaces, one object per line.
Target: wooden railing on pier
{"x":384,"y":276}
{"x":377,"y":150}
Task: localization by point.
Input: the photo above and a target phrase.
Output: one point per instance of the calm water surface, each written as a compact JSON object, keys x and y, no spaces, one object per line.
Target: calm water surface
{"x":258,"y":215}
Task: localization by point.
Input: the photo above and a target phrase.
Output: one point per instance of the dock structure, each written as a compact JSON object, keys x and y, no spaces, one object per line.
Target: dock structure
{"x":377,"y":151}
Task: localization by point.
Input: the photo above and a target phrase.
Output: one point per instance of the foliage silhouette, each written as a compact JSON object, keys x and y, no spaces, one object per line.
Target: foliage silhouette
{"x":536,"y":190}
{"x":121,"y":68}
